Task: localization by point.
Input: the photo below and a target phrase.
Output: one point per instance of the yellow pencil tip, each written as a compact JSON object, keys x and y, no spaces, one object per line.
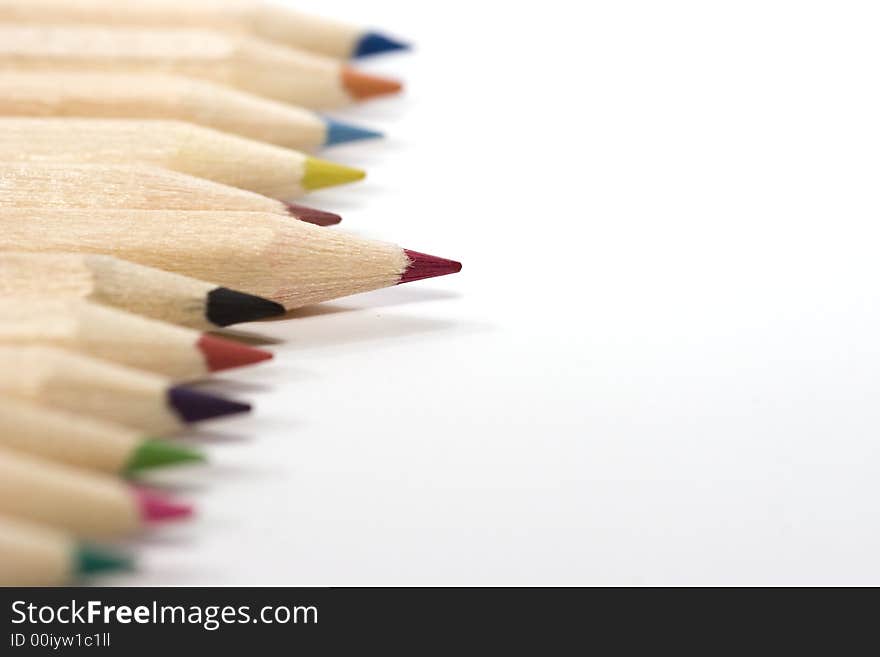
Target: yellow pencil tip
{"x":321,"y":173}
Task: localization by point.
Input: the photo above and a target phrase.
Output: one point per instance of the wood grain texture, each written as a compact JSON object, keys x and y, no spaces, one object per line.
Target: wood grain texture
{"x":83,"y":94}
{"x":86,"y":504}
{"x":183,"y":147}
{"x":252,"y":65}
{"x":105,"y":333}
{"x":123,"y":186}
{"x":65,"y":437}
{"x":79,"y":384}
{"x":291,"y":262}
{"x":268,"y":21}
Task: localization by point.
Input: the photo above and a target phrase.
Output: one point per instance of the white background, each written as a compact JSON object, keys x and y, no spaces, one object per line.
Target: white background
{"x":660,"y":363}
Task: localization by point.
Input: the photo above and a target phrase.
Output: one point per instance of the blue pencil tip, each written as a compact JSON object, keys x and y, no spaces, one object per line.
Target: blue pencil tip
{"x":373,"y":43}
{"x":341,"y":133}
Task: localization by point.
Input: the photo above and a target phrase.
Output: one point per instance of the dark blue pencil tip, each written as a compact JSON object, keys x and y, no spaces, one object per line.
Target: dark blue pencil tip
{"x":340,"y":133}
{"x":373,"y":43}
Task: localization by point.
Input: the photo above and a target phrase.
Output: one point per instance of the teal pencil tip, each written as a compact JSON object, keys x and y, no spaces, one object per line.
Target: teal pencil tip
{"x":160,"y":453}
{"x":91,"y":560}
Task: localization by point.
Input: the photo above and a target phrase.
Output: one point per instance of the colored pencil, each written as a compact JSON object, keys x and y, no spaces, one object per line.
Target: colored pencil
{"x":79,"y":384}
{"x":115,"y":335}
{"x":158,"y":96}
{"x":127,"y":286}
{"x":183,"y":147}
{"x":253,"y":65}
{"x":85,"y":442}
{"x":291,"y":262}
{"x":87,"y":504}
{"x":35,"y":555}
{"x":260,"y":19}
{"x":133,"y":187}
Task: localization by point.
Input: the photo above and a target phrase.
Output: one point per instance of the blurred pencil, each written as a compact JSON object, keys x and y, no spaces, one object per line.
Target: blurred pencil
{"x":71,"y":382}
{"x":87,"y":504}
{"x":261,"y":19}
{"x":291,"y":262}
{"x":127,"y":286}
{"x":157,"y":96}
{"x":183,"y":147}
{"x":36,"y":555}
{"x":133,"y":187}
{"x":120,"y":337}
{"x":85,"y":442}
{"x":260,"y":67}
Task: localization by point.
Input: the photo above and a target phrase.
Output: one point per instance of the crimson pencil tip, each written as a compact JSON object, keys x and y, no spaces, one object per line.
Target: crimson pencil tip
{"x":158,"y":508}
{"x":312,"y":216}
{"x":221,"y":354}
{"x":422,"y":265}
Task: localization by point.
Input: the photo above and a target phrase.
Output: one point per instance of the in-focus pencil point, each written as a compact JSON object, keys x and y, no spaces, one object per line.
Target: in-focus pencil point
{"x":92,"y":560}
{"x":159,"y":508}
{"x":221,"y":354}
{"x":342,"y":133}
{"x":423,"y":266}
{"x":194,"y":406}
{"x":312,"y":216}
{"x":321,"y":173}
{"x":376,"y":43}
{"x":227,"y":307}
{"x":362,"y":86}
{"x":161,"y":453}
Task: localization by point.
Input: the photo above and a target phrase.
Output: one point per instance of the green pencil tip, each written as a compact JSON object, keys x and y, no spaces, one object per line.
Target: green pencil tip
{"x":321,"y":173}
{"x":90,"y":560}
{"x":160,"y":453}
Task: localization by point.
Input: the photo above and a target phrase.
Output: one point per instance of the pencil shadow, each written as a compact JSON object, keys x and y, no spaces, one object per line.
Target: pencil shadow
{"x":391,"y":296}
{"x":246,"y":337}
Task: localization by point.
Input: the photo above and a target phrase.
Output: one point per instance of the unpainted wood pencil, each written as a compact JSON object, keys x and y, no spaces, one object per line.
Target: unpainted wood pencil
{"x":145,"y":291}
{"x":133,"y":187}
{"x":262,"y":19}
{"x":84,"y":442}
{"x":291,"y":262}
{"x":86,"y":504}
{"x":84,"y":94}
{"x":36,"y":555}
{"x":110,"y":334}
{"x":260,"y":67}
{"x":72,"y":382}
{"x":194,"y":150}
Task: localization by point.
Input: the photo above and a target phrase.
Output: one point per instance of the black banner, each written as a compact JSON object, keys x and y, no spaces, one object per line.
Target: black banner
{"x":412,"y":621}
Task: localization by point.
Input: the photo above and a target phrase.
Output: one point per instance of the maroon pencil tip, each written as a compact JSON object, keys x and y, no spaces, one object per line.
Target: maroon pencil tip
{"x":158,"y":508}
{"x":422,"y":265}
{"x":311,"y":215}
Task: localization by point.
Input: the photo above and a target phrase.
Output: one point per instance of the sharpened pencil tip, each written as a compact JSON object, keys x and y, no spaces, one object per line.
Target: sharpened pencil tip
{"x":321,"y":173}
{"x":362,"y":86}
{"x":161,"y":453}
{"x":92,"y":560}
{"x":376,"y":43}
{"x":226,"y":307}
{"x":422,"y":266}
{"x":159,"y":508}
{"x":312,"y":216}
{"x":194,"y":406}
{"x":221,"y":354}
{"x":342,"y":133}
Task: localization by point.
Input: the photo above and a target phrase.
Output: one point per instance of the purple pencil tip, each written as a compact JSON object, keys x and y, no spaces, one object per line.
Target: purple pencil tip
{"x":194,"y":406}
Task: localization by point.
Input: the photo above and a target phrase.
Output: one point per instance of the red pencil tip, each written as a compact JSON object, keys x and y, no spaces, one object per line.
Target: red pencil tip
{"x":222,"y":354}
{"x":422,"y":265}
{"x":312,"y":216}
{"x":158,"y":508}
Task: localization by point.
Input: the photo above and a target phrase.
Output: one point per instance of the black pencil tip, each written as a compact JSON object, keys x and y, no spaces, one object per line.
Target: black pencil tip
{"x":227,"y":307}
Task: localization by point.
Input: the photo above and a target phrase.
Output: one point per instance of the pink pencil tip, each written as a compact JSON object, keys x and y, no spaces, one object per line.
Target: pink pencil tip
{"x":422,"y":265}
{"x":158,"y":508}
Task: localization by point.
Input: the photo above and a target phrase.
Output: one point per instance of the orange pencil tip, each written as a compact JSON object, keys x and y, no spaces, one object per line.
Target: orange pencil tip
{"x":362,"y":86}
